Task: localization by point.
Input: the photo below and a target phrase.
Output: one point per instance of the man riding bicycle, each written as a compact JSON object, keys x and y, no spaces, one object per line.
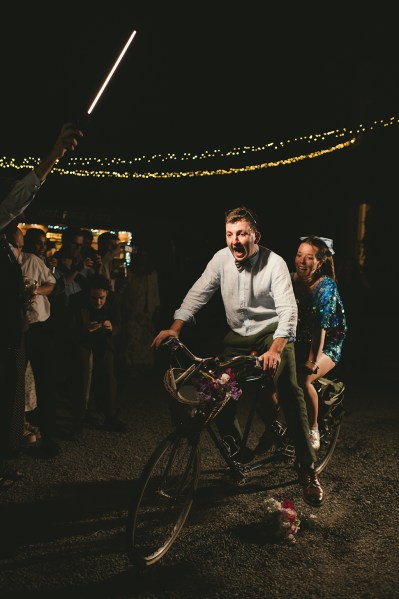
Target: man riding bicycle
{"x":261,"y":312}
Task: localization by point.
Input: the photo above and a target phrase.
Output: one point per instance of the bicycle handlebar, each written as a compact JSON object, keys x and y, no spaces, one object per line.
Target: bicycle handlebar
{"x":175,"y":343}
{"x":176,"y":378}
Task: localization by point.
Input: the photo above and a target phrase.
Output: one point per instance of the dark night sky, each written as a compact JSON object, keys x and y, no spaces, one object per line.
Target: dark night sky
{"x":201,"y":80}
{"x":193,"y":80}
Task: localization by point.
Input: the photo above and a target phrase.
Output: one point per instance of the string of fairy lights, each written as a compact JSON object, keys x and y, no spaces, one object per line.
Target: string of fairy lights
{"x":245,"y":158}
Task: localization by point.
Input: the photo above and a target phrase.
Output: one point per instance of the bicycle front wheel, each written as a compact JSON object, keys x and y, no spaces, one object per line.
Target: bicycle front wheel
{"x":162,"y":499}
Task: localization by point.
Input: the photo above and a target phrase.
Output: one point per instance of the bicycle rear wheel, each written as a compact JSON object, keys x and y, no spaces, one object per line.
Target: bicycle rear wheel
{"x":162,"y":499}
{"x":329,"y":433}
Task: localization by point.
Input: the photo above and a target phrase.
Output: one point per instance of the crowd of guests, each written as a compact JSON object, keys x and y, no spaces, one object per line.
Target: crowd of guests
{"x":87,"y":310}
{"x":67,"y":317}
{"x":15,"y":197}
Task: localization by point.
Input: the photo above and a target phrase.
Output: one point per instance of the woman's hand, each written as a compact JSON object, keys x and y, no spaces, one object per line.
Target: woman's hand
{"x":311,"y":367}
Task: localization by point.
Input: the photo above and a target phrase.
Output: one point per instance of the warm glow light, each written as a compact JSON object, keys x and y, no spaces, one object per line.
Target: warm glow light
{"x":254,"y":157}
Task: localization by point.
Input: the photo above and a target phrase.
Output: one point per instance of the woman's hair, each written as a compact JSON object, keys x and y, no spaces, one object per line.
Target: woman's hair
{"x":243,"y":213}
{"x":324,"y":256}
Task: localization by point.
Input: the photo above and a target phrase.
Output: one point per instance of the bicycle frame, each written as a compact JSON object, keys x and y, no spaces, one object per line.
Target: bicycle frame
{"x":329,"y":421}
{"x":239,"y":471}
{"x":165,"y":490}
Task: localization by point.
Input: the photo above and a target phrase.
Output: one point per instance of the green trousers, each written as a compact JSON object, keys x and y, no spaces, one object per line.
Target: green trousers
{"x":290,"y":394}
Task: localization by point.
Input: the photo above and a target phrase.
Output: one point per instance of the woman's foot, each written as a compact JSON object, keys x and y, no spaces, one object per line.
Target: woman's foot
{"x":314,"y":438}
{"x":33,"y":429}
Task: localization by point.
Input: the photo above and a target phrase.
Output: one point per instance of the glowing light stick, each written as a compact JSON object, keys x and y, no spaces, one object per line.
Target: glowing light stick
{"x":112,"y":71}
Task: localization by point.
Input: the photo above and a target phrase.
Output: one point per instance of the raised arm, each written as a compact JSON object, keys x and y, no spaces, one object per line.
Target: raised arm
{"x":67,"y":140}
{"x":24,"y":190}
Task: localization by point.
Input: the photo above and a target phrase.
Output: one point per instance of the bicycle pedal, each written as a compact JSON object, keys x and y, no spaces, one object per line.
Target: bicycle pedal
{"x":278,"y":429}
{"x":234,"y":477}
{"x":287,"y":452}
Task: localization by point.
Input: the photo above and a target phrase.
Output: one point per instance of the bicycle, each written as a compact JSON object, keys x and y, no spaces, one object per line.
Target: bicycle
{"x":165,"y":491}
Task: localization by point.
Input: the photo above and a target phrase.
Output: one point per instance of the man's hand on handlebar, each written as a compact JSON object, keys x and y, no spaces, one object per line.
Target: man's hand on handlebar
{"x":270,"y":361}
{"x":162,"y":336}
{"x":272,"y":357}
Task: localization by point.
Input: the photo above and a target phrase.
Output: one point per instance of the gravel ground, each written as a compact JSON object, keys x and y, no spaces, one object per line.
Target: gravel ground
{"x":63,"y":524}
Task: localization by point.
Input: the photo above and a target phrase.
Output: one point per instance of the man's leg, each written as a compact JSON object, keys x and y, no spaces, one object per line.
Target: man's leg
{"x":293,"y":404}
{"x":236,"y":345}
{"x":105,"y":387}
{"x":227,"y":421}
{"x":294,"y":407}
{"x":39,"y":353}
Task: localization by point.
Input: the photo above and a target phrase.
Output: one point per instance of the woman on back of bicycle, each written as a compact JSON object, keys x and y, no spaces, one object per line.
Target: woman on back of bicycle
{"x":261,"y":312}
{"x":321,"y":329}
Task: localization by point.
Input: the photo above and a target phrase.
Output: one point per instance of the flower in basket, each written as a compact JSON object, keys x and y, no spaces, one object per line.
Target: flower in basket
{"x":282,"y":518}
{"x":223,"y":387}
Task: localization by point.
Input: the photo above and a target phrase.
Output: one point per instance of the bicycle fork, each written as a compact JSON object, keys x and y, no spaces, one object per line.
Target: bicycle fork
{"x":175,"y":492}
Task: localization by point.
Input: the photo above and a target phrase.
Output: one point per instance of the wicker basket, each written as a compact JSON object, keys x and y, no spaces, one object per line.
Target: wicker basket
{"x":186,"y":394}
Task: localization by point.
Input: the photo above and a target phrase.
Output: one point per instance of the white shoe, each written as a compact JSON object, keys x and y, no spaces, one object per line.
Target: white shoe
{"x":314,"y":438}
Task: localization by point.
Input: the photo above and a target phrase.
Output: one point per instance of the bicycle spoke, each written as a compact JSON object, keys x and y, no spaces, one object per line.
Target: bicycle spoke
{"x":163,"y":499}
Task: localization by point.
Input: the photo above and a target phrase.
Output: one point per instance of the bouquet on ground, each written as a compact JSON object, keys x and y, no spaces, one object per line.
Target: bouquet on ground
{"x":219,"y":388}
{"x":281,"y":518}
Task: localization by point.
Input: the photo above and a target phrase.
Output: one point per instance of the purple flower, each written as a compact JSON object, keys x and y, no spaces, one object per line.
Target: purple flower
{"x":210,"y":388}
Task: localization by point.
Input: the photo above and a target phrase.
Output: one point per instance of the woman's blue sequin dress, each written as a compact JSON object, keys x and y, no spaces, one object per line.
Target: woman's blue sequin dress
{"x":323,"y":308}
